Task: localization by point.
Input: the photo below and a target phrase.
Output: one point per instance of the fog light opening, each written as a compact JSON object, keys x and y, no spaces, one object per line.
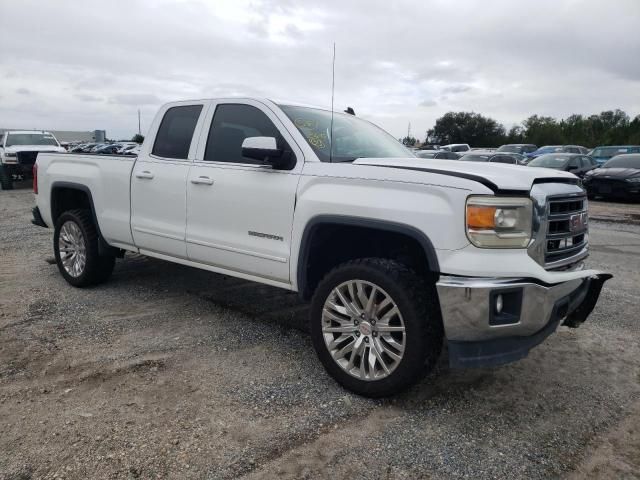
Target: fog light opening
{"x":499,"y":304}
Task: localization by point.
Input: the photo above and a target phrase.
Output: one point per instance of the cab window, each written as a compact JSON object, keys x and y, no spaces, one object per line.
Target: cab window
{"x":231,"y":124}
{"x":176,"y":131}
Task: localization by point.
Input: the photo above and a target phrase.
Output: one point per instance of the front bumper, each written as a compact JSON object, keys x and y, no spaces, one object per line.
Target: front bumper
{"x":478,"y":335}
{"x":616,"y":189}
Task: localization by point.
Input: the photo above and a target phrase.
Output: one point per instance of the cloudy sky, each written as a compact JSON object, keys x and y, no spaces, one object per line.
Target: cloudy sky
{"x":85,"y":64}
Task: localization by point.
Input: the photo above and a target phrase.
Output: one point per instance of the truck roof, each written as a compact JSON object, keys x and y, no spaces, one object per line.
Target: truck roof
{"x":44,"y":132}
{"x":257,"y":99}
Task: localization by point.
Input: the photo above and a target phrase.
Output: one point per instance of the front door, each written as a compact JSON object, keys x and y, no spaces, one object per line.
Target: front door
{"x":240,"y":211}
{"x":158,"y":184}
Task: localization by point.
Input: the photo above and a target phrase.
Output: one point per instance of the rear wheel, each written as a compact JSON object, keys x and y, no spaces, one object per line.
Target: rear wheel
{"x":376,"y":326}
{"x":75,"y":244}
{"x":6,"y":179}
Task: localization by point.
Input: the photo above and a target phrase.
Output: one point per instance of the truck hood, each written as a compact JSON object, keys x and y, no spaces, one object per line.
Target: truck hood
{"x":496,"y":176}
{"x":33,"y":148}
{"x":615,"y":173}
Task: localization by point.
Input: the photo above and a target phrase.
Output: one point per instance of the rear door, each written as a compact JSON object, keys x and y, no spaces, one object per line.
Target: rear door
{"x":158,"y":181}
{"x":240,"y":211}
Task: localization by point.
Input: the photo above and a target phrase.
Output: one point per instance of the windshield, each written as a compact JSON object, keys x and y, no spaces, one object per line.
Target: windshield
{"x":608,"y":152}
{"x":543,"y":150}
{"x":31,"y":139}
{"x":510,"y":148}
{"x":475,"y":157}
{"x":353,"y":138}
{"x":623,"y":161}
{"x":549,"y":161}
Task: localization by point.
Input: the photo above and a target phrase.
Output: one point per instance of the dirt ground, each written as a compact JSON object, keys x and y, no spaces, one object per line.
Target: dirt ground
{"x":170,"y":372}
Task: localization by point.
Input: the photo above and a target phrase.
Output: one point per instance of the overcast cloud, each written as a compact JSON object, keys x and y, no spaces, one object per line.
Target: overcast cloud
{"x":83,"y":65}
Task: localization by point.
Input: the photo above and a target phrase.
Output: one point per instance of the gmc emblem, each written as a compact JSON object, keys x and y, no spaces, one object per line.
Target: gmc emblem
{"x":578,"y":222}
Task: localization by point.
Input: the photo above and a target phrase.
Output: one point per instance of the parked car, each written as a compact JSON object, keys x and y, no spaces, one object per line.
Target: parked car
{"x":523,"y":148}
{"x":430,"y":147}
{"x":603,"y":153}
{"x":126,"y":146}
{"x":437,"y":154}
{"x":18,"y":152}
{"x":82,"y":148}
{"x":575,"y":163}
{"x":456,"y":147}
{"x":619,"y":177}
{"x":490,"y":156}
{"x":396,"y":254}
{"x":107,"y":149}
{"x":558,"y":149}
{"x":131,"y":150}
{"x":97,"y":147}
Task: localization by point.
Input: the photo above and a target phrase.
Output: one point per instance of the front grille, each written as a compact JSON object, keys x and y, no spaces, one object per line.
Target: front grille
{"x":607,"y":185}
{"x":27,"y":158}
{"x":567,"y":229}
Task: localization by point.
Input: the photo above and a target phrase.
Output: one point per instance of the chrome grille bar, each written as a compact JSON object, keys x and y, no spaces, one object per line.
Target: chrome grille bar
{"x":567,"y":231}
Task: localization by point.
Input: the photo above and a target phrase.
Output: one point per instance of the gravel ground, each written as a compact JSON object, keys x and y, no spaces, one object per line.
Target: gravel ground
{"x":625,"y":212}
{"x":171,"y":372}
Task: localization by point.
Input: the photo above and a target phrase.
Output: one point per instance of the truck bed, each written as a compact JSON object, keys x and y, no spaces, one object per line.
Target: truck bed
{"x":106,"y":177}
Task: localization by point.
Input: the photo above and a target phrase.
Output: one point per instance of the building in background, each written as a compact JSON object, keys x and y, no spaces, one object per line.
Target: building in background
{"x":68,"y":136}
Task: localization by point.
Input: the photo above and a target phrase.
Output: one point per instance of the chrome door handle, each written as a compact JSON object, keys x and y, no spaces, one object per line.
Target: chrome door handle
{"x":202,"y":180}
{"x":144,"y":174}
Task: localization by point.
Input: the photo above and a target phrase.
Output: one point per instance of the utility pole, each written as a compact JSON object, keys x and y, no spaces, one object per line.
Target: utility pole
{"x":139,"y":129}
{"x":409,"y":131}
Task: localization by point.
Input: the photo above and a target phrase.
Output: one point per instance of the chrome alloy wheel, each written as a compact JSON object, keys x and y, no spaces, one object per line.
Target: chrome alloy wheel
{"x":73,"y":252}
{"x":363,"y":330}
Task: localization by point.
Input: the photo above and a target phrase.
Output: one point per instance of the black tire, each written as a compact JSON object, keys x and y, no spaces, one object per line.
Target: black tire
{"x":6,"y":179}
{"x":417,"y":302}
{"x":97,"y":268}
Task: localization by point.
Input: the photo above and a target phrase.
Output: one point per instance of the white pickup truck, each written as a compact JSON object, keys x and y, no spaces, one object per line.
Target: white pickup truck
{"x":18,"y":152}
{"x":397,"y":254}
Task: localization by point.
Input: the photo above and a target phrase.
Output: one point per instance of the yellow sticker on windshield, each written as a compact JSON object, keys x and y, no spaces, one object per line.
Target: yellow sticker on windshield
{"x":317,"y":140}
{"x":305,"y":123}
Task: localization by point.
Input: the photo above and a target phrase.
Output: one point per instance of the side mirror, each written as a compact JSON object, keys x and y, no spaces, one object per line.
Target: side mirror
{"x":266,"y":149}
{"x":261,"y":148}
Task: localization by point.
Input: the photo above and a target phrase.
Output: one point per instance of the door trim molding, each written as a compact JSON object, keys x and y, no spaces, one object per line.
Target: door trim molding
{"x":237,"y":250}
{"x":159,"y":234}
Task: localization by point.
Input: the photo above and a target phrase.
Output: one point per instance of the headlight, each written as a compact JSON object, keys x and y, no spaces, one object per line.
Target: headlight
{"x":10,"y":155}
{"x":499,"y":222}
{"x":634,"y":180}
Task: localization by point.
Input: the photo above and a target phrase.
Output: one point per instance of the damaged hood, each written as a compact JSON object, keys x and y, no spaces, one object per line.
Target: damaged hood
{"x":496,"y":176}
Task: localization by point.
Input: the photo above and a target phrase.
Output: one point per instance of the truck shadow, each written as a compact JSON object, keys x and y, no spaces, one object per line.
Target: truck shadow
{"x":262,"y":302}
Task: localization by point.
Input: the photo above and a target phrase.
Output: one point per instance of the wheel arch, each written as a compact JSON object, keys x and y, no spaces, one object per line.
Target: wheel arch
{"x":76,"y":195}
{"x":306,"y":283}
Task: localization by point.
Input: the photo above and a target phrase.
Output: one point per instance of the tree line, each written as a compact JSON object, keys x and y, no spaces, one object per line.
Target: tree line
{"x":612,"y":127}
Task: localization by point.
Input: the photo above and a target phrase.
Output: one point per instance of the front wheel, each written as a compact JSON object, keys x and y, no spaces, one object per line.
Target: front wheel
{"x":376,"y":326}
{"x":75,"y":244}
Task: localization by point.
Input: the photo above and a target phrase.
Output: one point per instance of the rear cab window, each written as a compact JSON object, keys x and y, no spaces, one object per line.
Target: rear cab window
{"x":174,"y":136}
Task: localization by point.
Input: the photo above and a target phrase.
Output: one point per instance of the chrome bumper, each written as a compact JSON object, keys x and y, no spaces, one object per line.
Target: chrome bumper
{"x":479,"y":335}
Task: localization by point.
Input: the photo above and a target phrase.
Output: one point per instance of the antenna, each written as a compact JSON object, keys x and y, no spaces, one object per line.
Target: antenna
{"x":333,"y":85}
{"x":139,"y":129}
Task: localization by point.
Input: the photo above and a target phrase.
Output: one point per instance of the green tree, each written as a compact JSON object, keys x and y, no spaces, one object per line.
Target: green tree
{"x":516,"y":134}
{"x":543,"y":131}
{"x":409,"y":141}
{"x":138,"y":138}
{"x":467,"y":127}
